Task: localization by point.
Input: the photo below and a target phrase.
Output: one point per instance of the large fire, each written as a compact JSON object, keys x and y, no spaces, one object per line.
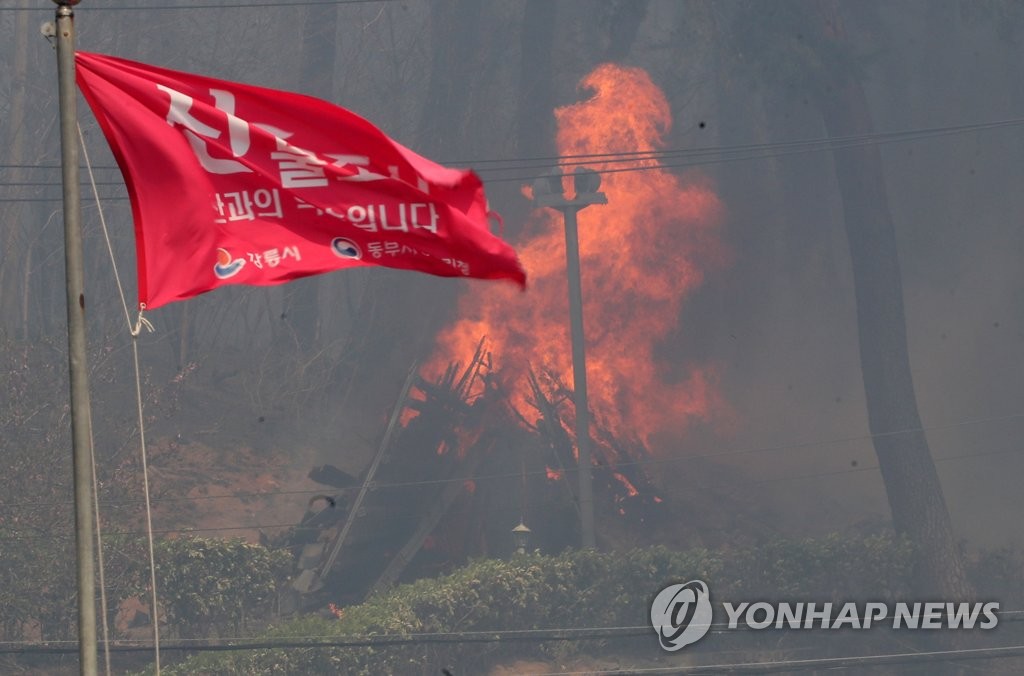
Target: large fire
{"x":641,"y":255}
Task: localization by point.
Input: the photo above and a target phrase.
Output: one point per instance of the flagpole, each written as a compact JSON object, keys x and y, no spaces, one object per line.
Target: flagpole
{"x":81,"y":424}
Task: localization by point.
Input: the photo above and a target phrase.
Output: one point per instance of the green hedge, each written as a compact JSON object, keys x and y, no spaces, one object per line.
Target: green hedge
{"x":208,"y":586}
{"x":574,"y":589}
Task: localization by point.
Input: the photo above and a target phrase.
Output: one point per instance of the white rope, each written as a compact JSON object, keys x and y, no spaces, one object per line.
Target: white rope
{"x":145,"y":483}
{"x":103,"y":224}
{"x":99,"y":554}
{"x":134,"y":329}
{"x":95,"y":484}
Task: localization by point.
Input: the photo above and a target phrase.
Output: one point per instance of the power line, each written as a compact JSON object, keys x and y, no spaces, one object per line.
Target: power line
{"x":211,"y":5}
{"x":818,"y":143}
{"x":958,"y":655}
{"x":821,"y":140}
{"x":961,"y":655}
{"x":418,"y":514}
{"x":499,"y":636}
{"x":164,"y":531}
{"x":803,"y":145}
{"x":568,"y":470}
{"x":870,"y":468}
{"x":49,"y":184}
{"x":851,"y":470}
{"x":570,"y":633}
{"x":831,"y":145}
{"x":187,"y":498}
{"x":707,"y":456}
{"x":712,"y":160}
{"x":496,"y":636}
{"x":47,"y":199}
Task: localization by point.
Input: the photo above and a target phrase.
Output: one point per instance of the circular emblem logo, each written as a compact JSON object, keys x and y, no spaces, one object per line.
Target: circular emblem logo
{"x":681,"y":614}
{"x":346,"y":248}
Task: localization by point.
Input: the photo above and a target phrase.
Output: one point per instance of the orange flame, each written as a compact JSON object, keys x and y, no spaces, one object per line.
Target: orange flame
{"x":630,"y":488}
{"x":553,"y":474}
{"x":641,"y":255}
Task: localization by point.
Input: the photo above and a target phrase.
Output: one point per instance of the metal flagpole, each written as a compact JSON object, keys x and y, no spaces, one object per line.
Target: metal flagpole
{"x":81,"y":424}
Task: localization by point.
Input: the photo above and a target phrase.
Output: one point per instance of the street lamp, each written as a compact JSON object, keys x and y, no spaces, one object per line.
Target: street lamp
{"x":547,"y":192}
{"x":521,"y":537}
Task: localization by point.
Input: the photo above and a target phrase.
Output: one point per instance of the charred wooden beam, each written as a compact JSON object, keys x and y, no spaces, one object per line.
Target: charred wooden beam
{"x":339,"y":541}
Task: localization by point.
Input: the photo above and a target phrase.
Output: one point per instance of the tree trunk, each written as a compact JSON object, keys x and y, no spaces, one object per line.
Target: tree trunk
{"x":535,"y":119}
{"x":623,"y":22}
{"x":13,"y":213}
{"x":911,"y":481}
{"x":316,"y":76}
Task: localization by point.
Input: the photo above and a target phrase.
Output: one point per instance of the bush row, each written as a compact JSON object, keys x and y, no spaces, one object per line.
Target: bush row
{"x":571,"y":590}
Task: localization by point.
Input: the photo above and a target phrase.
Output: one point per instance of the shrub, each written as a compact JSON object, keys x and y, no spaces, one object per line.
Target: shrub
{"x":574,"y":589}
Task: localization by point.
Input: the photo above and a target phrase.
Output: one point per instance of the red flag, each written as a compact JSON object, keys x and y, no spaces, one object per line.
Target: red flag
{"x":235,"y":184}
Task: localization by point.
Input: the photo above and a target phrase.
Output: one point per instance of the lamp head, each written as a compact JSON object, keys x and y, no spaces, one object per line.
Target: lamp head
{"x":586,"y":181}
{"x":548,"y":184}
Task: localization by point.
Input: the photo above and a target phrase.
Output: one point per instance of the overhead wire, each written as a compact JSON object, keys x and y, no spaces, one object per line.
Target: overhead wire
{"x":804,"y":145}
{"x":681,"y":458}
{"x":820,"y":663}
{"x":212,"y":5}
{"x":585,"y":632}
{"x":418,"y":514}
{"x":384,"y":641}
{"x":490,"y":635}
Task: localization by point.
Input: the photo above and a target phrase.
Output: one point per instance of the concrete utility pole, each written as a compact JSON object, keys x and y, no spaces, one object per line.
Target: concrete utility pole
{"x":547,"y":192}
{"x":81,"y":423}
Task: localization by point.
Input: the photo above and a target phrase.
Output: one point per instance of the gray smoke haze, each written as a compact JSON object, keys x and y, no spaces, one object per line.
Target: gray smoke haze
{"x":319,"y":363}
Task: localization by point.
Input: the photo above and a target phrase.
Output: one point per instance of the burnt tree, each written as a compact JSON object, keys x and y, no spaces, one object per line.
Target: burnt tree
{"x":802,"y":47}
{"x":911,"y":481}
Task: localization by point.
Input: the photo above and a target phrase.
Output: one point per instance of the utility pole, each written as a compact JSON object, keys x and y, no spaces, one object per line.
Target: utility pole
{"x":547,"y":192}
{"x":81,"y":423}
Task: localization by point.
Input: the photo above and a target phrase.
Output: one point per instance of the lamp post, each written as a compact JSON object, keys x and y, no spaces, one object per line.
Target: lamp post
{"x":547,"y":192}
{"x":521,"y":538}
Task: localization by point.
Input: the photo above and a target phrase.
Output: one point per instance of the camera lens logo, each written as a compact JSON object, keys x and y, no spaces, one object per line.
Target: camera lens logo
{"x":681,"y":614}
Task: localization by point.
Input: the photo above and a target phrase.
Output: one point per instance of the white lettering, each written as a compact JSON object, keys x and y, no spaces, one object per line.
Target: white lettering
{"x":962,"y":613}
{"x":769,"y":615}
{"x":932,"y":616}
{"x":847,"y":615}
{"x":792,"y":615}
{"x":874,"y":611}
{"x":991,"y":619}
{"x":734,"y":613}
{"x":180,"y":113}
{"x":238,"y":129}
{"x":904,"y":615}
{"x":824,"y":614}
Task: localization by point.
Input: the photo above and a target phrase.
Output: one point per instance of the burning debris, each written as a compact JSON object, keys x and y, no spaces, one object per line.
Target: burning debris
{"x":465,"y":466}
{"x":482,"y":446}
